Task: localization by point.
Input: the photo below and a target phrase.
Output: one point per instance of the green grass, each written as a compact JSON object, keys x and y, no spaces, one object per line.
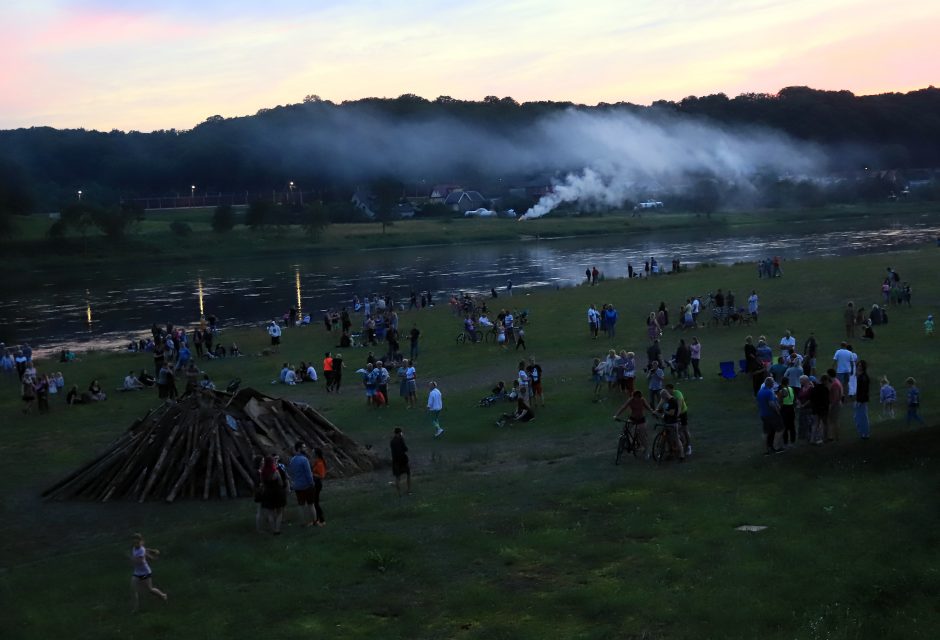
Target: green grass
{"x":152,"y":236}
{"x":527,"y":532}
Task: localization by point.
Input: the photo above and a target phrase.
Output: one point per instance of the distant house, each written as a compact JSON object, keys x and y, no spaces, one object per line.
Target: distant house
{"x":464,"y":200}
{"x":439,"y":192}
{"x":405,"y":210}
{"x":364,"y":201}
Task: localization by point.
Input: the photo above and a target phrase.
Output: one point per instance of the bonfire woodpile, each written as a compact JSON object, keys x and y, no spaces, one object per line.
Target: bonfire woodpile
{"x":207,"y":446}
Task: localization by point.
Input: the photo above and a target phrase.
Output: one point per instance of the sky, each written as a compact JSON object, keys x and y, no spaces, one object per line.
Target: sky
{"x":133,"y":65}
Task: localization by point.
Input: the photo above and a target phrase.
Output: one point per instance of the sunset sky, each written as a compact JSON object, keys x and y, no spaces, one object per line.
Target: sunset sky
{"x":105,"y":64}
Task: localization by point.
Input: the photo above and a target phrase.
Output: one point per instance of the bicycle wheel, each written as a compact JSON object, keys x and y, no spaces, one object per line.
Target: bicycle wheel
{"x":660,"y":446}
{"x":622,"y":444}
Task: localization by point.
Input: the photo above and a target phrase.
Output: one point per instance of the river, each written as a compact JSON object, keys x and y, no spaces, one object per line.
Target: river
{"x":104,"y":308}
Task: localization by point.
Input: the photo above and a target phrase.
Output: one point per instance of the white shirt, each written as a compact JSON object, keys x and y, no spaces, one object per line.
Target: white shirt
{"x":290,"y":377}
{"x":435,"y":403}
{"x":696,"y":305}
{"x":507,"y":321}
{"x":843,"y":358}
{"x":274,"y":330}
{"x":312,"y":373}
{"x":787,"y":343}
{"x":592,"y":315}
{"x":752,"y":303}
{"x":130,"y":382}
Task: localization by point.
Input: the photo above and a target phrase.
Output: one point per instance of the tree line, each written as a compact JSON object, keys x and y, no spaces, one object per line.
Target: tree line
{"x":42,"y":168}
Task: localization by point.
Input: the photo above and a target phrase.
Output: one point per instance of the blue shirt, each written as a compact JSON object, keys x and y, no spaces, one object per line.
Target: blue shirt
{"x":301,"y":477}
{"x":766,"y":400}
{"x":913,"y":397}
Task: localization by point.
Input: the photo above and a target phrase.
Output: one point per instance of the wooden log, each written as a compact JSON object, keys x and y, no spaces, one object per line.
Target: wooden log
{"x":227,"y":465}
{"x":160,"y":462}
{"x":209,"y":463}
{"x":219,"y":471}
{"x":187,"y":469}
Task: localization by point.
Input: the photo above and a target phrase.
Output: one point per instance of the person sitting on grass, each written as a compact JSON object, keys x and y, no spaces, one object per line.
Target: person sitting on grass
{"x":94,"y":390}
{"x":523,"y":413}
{"x":206,"y":383}
{"x":131,"y":383}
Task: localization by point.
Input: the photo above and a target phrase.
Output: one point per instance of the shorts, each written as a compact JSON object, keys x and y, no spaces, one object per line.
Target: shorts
{"x":401,"y":466}
{"x":304,"y":496}
{"x":146,"y":576}
{"x":772,"y":423}
{"x":370,"y":392}
{"x":275,"y":340}
{"x":412,"y":387}
{"x":536,"y":388}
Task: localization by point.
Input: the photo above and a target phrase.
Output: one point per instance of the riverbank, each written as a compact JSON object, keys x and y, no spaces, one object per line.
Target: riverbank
{"x":151,"y":239}
{"x":529,"y":531}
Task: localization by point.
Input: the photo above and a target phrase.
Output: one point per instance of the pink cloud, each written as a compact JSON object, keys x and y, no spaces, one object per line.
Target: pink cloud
{"x":97,"y":28}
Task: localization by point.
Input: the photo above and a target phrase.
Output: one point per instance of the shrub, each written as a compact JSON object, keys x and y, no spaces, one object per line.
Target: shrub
{"x":180,"y":229}
{"x":223,"y":219}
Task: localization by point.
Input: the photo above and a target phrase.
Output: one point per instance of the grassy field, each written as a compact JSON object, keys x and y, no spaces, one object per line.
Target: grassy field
{"x":526,"y":532}
{"x":152,"y":237}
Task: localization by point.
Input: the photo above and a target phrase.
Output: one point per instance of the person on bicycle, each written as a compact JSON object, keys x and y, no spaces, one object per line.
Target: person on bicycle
{"x":638,"y":407}
{"x":469,"y":327}
{"x":670,"y":408}
{"x":683,"y":417}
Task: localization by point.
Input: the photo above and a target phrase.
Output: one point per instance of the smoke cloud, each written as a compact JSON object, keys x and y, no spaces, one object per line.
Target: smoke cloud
{"x":607,"y":156}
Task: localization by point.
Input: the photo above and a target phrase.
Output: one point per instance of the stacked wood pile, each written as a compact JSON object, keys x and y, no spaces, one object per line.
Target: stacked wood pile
{"x":207,"y":446}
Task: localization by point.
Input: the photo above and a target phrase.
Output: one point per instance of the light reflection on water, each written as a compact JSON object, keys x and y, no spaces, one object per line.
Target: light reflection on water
{"x":250,"y":290}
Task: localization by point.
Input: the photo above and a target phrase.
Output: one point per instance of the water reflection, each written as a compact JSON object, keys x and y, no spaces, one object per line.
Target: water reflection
{"x":202,"y":309}
{"x":297,"y":287}
{"x":243,"y":291}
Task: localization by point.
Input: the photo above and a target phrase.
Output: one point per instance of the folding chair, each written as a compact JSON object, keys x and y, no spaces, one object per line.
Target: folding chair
{"x":727,"y":370}
{"x":742,"y":366}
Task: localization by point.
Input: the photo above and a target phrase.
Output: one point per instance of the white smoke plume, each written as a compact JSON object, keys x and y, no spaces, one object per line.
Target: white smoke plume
{"x":625,"y":155}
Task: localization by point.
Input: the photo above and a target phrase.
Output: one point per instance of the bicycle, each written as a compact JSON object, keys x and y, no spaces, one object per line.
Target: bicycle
{"x":664,"y":445}
{"x":627,"y":442}
{"x":463,"y":338}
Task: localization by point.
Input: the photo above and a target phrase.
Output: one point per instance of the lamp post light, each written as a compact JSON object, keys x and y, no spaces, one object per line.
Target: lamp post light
{"x":192,"y":194}
{"x":290,"y":186}
{"x":79,"y":194}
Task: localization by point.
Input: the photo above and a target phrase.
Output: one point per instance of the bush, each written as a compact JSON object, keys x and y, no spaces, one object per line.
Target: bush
{"x":223,"y":220}
{"x":180,"y":229}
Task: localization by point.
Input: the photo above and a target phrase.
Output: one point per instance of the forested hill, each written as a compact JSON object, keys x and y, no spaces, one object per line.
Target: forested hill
{"x":330,"y":146}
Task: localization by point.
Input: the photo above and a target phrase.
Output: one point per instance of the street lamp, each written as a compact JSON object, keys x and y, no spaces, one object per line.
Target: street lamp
{"x":192,"y":192}
{"x":79,"y":194}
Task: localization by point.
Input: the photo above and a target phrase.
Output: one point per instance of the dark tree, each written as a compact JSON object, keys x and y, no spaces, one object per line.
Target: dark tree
{"x":259,"y":214}
{"x":223,"y":219}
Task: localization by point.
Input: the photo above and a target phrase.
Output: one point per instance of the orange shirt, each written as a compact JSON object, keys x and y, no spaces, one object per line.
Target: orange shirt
{"x":327,"y":364}
{"x":319,"y":468}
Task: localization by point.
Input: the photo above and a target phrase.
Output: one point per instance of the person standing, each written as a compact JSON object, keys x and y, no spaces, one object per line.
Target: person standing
{"x":849,"y":320}
{"x":274,"y":330}
{"x":328,"y":371}
{"x":594,"y":321}
{"x":319,"y":474}
{"x":913,"y":402}
{"x":301,"y":479}
{"x":337,"y":371}
{"x":862,"y":396}
{"x":435,"y":406}
{"x":786,"y":397}
{"x":753,"y":303}
{"x":143,"y":576}
{"x":656,"y":377}
{"x":273,"y":492}
{"x":535,"y":377}
{"x":696,"y":349}
{"x":769,"y":410}
{"x":400,"y":464}
{"x":413,"y":336}
{"x":411,"y":384}
{"x":836,"y":394}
